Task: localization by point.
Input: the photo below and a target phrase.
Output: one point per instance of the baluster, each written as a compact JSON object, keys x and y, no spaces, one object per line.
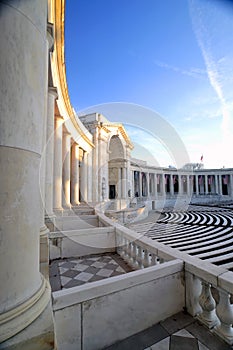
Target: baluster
{"x":153,"y":259}
{"x":134,"y":256}
{"x":130,"y":250}
{"x":119,"y":244}
{"x":122,"y":253}
{"x":207,"y":302}
{"x":225,"y":314}
{"x":140,"y":257}
{"x":146,"y":261}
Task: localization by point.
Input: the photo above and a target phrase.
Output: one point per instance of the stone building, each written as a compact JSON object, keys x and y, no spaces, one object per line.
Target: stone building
{"x":51,"y":161}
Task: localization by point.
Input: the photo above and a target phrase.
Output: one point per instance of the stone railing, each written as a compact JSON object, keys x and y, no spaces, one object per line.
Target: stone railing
{"x":209,"y":292}
{"x":137,"y":253}
{"x":209,"y":288}
{"x":128,"y":215}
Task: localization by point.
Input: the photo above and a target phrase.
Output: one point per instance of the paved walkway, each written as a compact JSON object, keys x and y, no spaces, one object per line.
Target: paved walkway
{"x":72,"y":272}
{"x":179,"y":332}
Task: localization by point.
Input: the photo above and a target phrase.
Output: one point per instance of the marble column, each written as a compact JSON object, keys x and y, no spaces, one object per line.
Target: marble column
{"x":216,"y":184}
{"x":74,"y":174}
{"x":220,"y":185}
{"x":119,"y":193}
{"x":95,"y":157}
{"x":148,"y":184}
{"x":140,"y":184}
{"x":180,"y":182}
{"x":128,"y":180}
{"x":197,"y":184}
{"x":206,"y":184}
{"x":66,"y":145}
{"x":188,"y":185}
{"x":123,"y":182}
{"x":132,"y":186}
{"x":162,"y":178}
{"x":57,"y":164}
{"x":89,"y":178}
{"x":24,"y":292}
{"x":171,"y":185}
{"x":84,"y":177}
{"x":49,"y":151}
{"x":155,"y":185}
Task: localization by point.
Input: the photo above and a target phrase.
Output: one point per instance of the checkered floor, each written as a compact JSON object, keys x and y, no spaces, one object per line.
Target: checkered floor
{"x":73,"y":272}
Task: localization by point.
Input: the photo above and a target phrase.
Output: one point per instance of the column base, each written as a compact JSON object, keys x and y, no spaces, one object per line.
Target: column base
{"x":15,"y":323}
{"x":39,"y":335}
{"x":44,"y":252}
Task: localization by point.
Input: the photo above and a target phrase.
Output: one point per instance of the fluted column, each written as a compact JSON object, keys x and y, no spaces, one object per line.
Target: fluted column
{"x":75,"y":174}
{"x":119,"y":193}
{"x":216,"y":183}
{"x":148,"y":184}
{"x":206,"y":184}
{"x":66,"y":169}
{"x":52,"y":95}
{"x":197,"y":184}
{"x":180,"y":184}
{"x":155,"y":184}
{"x":188,"y":185}
{"x":89,"y":178}
{"x":24,"y":292}
{"x":163,"y":184}
{"x":140,"y":184}
{"x":84,"y":177}
{"x":123,"y":182}
{"x":57,"y":164}
{"x":220,"y":184}
{"x":95,"y":157}
{"x":132,"y":187}
{"x":171,"y":185}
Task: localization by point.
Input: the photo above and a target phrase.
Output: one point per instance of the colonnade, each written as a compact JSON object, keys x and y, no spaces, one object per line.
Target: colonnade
{"x":71,"y":174}
{"x":150,"y":184}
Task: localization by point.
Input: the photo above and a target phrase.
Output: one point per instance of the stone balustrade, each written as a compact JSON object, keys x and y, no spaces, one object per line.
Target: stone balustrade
{"x":136,"y":253}
{"x":211,"y":298}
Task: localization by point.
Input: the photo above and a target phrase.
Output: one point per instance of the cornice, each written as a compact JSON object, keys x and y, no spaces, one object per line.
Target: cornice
{"x":122,"y":131}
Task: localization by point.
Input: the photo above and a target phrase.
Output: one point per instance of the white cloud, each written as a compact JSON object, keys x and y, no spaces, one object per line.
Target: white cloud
{"x":193,"y":72}
{"x":217,"y":78}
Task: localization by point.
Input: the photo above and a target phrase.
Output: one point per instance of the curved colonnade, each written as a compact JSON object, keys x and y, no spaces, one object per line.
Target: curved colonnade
{"x":51,"y":160}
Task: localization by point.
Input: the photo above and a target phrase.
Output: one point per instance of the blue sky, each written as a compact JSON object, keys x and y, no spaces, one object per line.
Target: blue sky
{"x":173,"y":57}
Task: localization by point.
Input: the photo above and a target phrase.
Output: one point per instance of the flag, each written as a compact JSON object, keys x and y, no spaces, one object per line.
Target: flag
{"x":202,"y":158}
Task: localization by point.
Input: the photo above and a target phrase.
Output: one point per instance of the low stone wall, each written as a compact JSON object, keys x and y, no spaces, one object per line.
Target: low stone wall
{"x":128,"y":215}
{"x":78,"y":243}
{"x":75,"y":222}
{"x":96,"y":315}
